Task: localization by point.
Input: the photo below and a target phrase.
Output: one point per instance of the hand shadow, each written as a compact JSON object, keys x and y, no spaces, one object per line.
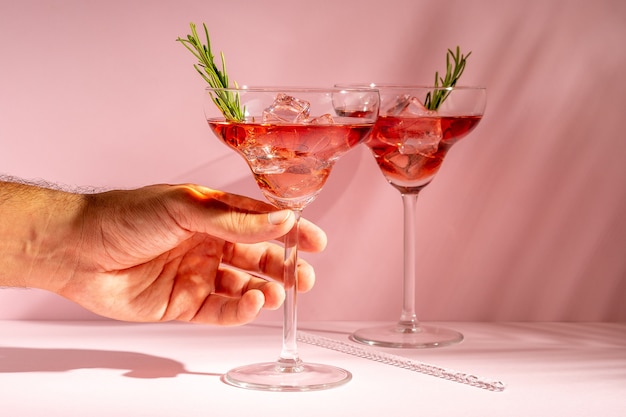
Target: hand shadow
{"x":137,"y":365}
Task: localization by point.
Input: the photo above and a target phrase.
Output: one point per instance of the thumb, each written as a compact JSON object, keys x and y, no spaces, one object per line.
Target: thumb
{"x":229,"y":216}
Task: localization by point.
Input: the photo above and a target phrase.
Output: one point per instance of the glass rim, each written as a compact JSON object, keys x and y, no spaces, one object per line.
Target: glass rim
{"x":399,"y":86}
{"x":298,"y":89}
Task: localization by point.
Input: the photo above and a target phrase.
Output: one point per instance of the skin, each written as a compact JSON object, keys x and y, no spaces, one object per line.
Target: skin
{"x":157,"y":253}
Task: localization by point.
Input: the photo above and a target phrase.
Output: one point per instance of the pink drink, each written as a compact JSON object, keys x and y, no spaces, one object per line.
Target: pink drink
{"x":290,"y":162}
{"x":410,"y":168}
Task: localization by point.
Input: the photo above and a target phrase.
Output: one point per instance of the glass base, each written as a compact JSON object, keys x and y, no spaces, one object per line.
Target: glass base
{"x":271,"y":377}
{"x":403,"y":336}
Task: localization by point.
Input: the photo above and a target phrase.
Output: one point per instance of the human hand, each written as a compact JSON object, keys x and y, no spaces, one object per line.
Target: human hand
{"x":183,"y":253}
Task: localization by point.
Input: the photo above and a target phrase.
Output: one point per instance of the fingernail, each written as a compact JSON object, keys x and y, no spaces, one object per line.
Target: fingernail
{"x":278,"y":217}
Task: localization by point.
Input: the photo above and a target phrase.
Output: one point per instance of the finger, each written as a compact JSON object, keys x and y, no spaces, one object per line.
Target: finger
{"x":226,"y":216}
{"x":237,"y":218}
{"x":234,"y":284}
{"x":311,"y":237}
{"x":226,"y":311}
{"x":267,"y":260}
{"x":306,"y":276}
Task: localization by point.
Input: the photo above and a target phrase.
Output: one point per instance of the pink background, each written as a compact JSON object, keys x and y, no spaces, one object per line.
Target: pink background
{"x":525,"y":221}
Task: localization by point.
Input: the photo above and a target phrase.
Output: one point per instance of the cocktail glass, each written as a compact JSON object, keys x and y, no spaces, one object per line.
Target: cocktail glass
{"x":409,"y":144}
{"x":291,"y":138}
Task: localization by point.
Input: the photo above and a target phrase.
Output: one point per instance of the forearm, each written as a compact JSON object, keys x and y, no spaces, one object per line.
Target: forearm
{"x":39,"y":235}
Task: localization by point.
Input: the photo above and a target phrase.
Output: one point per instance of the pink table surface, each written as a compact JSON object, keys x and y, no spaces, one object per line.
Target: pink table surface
{"x":102,"y":368}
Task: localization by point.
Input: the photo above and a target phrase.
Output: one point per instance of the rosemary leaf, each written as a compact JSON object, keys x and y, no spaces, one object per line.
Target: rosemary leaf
{"x":435,"y":98}
{"x":227,"y":101}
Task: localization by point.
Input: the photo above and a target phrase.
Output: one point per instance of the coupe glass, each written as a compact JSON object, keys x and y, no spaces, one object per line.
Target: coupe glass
{"x":409,"y":144}
{"x":291,"y":138}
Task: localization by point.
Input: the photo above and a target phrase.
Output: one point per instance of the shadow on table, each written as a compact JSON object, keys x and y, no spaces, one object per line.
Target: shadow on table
{"x":137,"y":365}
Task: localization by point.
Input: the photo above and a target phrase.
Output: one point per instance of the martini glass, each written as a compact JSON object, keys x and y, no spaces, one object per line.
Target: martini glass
{"x":409,"y":144}
{"x":290,"y":138}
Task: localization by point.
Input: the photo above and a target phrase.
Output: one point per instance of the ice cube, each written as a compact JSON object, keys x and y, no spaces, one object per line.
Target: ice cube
{"x":325,"y":119}
{"x":421,"y":132}
{"x":398,"y":105}
{"x":421,"y":135}
{"x":267,"y":159}
{"x":407,"y":105}
{"x":414,"y":107}
{"x":286,"y":109}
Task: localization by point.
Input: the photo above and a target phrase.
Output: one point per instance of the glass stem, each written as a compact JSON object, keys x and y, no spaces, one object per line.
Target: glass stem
{"x":408,"y":319}
{"x":289,"y":359}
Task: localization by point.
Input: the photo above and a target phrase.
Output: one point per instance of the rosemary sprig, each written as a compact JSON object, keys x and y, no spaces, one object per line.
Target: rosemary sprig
{"x":453,"y":73}
{"x":228,"y":102}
